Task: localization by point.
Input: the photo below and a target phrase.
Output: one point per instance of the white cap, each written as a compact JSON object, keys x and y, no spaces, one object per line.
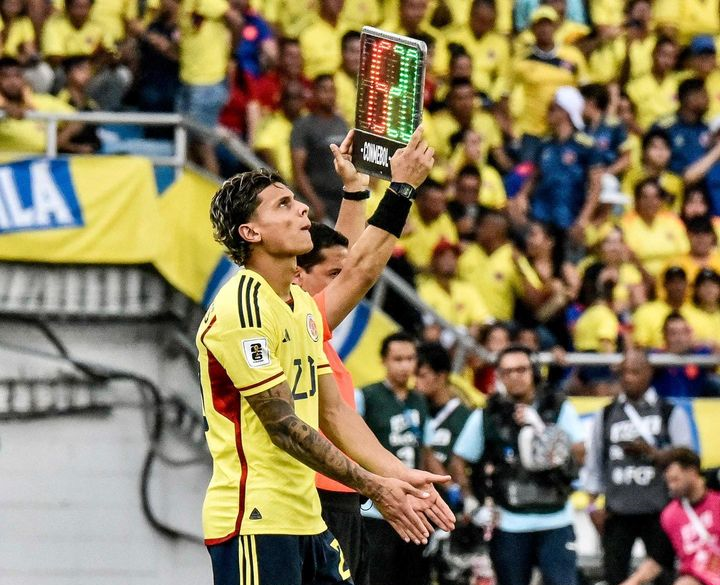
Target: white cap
{"x":610,"y":191}
{"x":572,"y":101}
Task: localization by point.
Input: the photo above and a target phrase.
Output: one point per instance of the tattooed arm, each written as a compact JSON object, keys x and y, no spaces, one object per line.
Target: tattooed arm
{"x":287,"y":431}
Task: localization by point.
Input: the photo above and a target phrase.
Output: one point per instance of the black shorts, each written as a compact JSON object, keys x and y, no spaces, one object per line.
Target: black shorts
{"x":341,"y":512}
{"x":273,"y":559}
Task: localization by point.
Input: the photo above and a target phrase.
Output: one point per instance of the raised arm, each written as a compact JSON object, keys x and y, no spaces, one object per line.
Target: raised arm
{"x":274,"y":408}
{"x":351,"y":218}
{"x":368,"y":257}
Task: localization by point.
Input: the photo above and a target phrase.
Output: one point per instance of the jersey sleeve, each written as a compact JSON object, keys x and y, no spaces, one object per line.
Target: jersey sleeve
{"x":245,"y":342}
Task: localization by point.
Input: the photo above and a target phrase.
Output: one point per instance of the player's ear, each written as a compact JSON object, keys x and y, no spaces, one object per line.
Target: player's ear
{"x":248,"y":233}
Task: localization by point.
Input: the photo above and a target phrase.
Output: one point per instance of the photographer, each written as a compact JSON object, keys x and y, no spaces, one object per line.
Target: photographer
{"x":629,"y":436}
{"x":533,"y":441}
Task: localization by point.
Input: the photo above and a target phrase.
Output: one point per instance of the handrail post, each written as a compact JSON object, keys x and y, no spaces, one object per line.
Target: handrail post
{"x":51,"y":145}
{"x":379,"y":292}
{"x":180,"y":149}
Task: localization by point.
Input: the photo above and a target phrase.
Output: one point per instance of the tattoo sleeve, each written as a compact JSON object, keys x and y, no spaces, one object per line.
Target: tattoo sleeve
{"x":288,"y":432}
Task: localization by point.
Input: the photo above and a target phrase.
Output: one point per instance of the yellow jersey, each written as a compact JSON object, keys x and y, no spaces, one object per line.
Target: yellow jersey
{"x":496,"y":278}
{"x":608,"y":12}
{"x":441,"y":57}
{"x":568,"y":33}
{"x":290,"y":16}
{"x":688,"y":17}
{"x":62,"y":39}
{"x":320,"y":47}
{"x":359,"y":13}
{"x":628,"y":277}
{"x":461,"y":305}
{"x":712,"y":85}
{"x":273,"y":135}
{"x":30,"y":136}
{"x":445,"y":125}
{"x":656,"y":243}
{"x":346,"y":96}
{"x":535,"y":80}
{"x":205,"y":41}
{"x":653,"y":99}
{"x":422,"y":237}
{"x":250,"y":341}
{"x":649,"y":318}
{"x":598,"y":323}
{"x":490,"y":60}
{"x":18,"y":33}
{"x":709,"y":327}
{"x":692,"y":266}
{"x":670,"y":182}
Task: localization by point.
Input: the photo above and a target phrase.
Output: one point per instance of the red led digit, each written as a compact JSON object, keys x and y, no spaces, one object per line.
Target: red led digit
{"x":378,"y":89}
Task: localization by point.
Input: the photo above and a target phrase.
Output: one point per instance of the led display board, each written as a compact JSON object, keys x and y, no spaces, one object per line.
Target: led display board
{"x":389,"y":99}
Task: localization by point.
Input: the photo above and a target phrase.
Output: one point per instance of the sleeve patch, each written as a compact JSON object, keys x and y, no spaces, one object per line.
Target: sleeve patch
{"x":256,"y":352}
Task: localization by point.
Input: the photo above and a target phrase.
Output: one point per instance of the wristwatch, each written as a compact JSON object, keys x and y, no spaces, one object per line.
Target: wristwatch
{"x":403,"y":189}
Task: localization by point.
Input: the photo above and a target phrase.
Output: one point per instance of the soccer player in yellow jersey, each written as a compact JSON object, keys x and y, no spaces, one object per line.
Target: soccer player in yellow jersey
{"x":265,"y":392}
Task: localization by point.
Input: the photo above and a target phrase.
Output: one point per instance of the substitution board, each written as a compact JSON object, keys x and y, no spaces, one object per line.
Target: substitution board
{"x":389,"y":99}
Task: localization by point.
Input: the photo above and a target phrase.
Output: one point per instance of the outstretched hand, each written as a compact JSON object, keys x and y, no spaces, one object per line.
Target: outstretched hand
{"x":352,"y":179}
{"x":413,"y":163}
{"x":433,"y":507}
{"x":393,"y":499}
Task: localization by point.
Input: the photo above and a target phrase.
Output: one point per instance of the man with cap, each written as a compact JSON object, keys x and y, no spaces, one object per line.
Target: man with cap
{"x":565,"y":190}
{"x":538,"y":73}
{"x":649,"y":318}
{"x":451,"y":298}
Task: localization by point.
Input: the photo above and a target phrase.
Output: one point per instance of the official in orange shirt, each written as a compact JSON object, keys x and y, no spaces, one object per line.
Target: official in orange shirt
{"x":338,"y":279}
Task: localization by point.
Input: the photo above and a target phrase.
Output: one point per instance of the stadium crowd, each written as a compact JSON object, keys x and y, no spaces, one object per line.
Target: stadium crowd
{"x":574,"y":202}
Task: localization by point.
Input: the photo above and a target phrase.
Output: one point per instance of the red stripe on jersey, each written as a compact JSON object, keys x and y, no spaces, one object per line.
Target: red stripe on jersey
{"x":226,"y":401}
{"x":204,"y":333}
{"x":265,"y":381}
{"x":211,"y":541}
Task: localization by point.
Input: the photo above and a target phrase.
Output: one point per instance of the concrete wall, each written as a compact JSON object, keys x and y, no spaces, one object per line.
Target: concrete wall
{"x":70,"y":507}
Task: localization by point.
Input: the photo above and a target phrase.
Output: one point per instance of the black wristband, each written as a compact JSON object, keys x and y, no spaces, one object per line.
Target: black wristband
{"x":391,"y":214}
{"x":356,"y":195}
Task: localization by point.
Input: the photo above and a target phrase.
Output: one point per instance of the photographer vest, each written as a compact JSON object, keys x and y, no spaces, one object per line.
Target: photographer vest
{"x":510,"y":484}
{"x":633,"y":484}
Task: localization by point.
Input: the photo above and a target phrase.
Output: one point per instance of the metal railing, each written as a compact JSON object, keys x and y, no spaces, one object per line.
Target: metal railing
{"x":184,"y":127}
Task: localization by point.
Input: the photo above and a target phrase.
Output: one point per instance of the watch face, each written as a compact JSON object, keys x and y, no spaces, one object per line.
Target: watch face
{"x":403,"y":189}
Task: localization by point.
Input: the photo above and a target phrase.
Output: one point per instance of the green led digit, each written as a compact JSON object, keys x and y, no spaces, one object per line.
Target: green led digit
{"x":408,"y":73}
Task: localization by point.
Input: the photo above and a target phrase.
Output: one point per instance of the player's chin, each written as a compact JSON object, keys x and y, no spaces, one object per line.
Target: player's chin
{"x":304,"y":243}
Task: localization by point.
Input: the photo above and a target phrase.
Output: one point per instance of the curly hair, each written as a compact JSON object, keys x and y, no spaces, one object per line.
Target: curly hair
{"x":232,"y":206}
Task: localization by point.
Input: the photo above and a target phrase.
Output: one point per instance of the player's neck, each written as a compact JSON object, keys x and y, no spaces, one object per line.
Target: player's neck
{"x":441,"y":397}
{"x":400,"y":390}
{"x":277,"y":272}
